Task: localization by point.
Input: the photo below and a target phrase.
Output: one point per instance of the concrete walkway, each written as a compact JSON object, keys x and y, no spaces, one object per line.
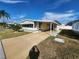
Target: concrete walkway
{"x":18,"y":47}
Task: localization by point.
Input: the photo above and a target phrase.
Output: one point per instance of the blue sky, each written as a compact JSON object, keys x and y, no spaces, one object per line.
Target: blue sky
{"x":61,"y":10}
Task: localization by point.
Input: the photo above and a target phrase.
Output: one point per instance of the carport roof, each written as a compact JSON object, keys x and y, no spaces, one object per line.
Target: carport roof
{"x":51,"y":21}
{"x":27,"y":22}
{"x":32,"y":21}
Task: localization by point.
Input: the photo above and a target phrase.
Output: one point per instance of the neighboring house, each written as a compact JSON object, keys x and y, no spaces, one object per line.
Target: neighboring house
{"x":75,"y":25}
{"x":39,"y":25}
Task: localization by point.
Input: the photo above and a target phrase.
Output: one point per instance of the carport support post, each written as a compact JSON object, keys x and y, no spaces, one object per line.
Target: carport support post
{"x":37,"y":25}
{"x":33,"y":25}
{"x":50,"y":28}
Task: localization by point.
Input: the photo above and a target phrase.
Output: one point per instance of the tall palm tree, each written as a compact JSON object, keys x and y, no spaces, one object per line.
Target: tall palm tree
{"x":4,"y":14}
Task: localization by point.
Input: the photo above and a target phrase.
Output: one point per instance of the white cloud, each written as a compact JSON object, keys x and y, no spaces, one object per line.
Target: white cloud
{"x":62,"y":17}
{"x":12,"y":1}
{"x":18,"y":16}
{"x":50,"y":15}
{"x":70,"y":11}
{"x":22,"y":16}
{"x":60,"y":2}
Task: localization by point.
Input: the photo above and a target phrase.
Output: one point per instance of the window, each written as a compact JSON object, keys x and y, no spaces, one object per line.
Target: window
{"x":27,"y":25}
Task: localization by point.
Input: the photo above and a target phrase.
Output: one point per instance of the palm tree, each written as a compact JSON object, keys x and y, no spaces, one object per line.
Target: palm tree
{"x":4,"y":15}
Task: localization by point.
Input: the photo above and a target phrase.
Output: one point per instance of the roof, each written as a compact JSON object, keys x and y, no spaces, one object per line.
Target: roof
{"x":53,"y":21}
{"x":72,"y":22}
{"x":27,"y":22}
{"x":44,"y":20}
{"x":32,"y":21}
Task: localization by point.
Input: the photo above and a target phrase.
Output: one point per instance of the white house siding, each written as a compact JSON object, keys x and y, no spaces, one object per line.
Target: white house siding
{"x":29,"y":29}
{"x":64,"y":27}
{"x":75,"y":26}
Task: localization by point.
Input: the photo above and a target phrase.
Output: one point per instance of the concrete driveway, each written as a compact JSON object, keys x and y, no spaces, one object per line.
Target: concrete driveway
{"x":18,"y":47}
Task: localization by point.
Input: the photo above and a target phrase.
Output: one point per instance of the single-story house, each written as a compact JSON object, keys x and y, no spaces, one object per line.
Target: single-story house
{"x":75,"y":25}
{"x":39,"y":25}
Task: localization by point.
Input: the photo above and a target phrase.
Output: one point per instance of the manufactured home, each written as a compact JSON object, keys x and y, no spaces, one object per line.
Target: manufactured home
{"x":39,"y":25}
{"x":75,"y":25}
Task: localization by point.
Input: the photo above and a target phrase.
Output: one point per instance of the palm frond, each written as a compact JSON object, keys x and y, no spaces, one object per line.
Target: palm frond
{"x":4,"y":14}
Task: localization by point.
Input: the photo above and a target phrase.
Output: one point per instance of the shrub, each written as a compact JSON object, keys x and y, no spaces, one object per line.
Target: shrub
{"x":15,"y":27}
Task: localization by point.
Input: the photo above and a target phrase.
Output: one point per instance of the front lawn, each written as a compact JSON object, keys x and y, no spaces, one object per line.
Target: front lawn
{"x":49,"y":49}
{"x":8,"y":33}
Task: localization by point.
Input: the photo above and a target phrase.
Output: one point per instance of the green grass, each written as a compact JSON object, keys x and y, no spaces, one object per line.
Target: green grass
{"x":51,"y":37}
{"x":8,"y":33}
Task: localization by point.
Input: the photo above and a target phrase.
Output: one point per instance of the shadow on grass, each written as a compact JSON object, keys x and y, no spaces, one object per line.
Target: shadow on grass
{"x":70,"y":34}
